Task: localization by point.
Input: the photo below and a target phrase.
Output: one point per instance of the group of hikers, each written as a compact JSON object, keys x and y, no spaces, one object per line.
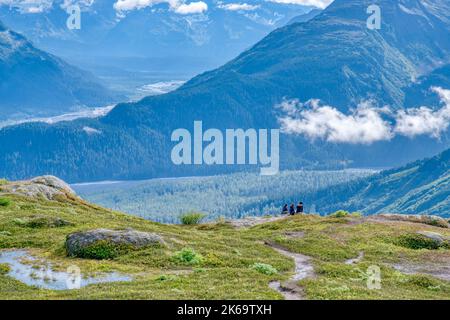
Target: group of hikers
{"x":292,"y":210}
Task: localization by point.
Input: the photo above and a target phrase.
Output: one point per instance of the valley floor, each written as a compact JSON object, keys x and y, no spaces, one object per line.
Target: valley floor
{"x":245,"y":262}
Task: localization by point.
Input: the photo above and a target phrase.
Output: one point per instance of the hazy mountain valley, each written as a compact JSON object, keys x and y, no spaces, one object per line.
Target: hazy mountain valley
{"x":148,"y":153}
{"x":290,"y":63}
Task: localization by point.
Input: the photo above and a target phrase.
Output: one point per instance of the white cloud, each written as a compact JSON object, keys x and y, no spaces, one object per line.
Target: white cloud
{"x":424,"y":120}
{"x":366,"y":124}
{"x":193,"y":7}
{"x":315,"y":3}
{"x":28,"y":6}
{"x":35,"y":9}
{"x":129,"y":5}
{"x":238,"y":7}
{"x":178,"y":6}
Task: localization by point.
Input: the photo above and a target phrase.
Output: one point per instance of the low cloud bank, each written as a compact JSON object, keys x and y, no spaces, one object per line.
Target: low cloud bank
{"x":425,"y":120}
{"x":238,"y":7}
{"x":366,"y":124}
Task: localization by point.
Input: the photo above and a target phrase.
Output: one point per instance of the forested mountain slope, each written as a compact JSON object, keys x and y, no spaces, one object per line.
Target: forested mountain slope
{"x":422,"y":187}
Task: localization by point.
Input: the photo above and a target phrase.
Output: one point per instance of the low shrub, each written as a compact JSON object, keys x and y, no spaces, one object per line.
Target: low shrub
{"x":339,"y":214}
{"x":3,"y":182}
{"x":417,"y":241}
{"x":4,"y":202}
{"x":437,"y":223}
{"x":165,"y":277}
{"x":4,"y":268}
{"x":423,"y":282}
{"x":188,"y":256}
{"x":27,"y":207}
{"x":37,"y":222}
{"x":47,"y":222}
{"x":192,"y":218}
{"x":102,"y":250}
{"x":264,"y":268}
{"x":212,"y":259}
{"x":19,"y":221}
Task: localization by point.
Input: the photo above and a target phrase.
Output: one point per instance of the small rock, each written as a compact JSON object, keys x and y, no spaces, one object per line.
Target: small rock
{"x":76,"y":242}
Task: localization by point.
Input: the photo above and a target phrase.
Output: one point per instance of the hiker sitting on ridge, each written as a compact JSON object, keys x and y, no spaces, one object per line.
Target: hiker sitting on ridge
{"x":292,"y":210}
{"x":285,"y":209}
{"x":300,"y":207}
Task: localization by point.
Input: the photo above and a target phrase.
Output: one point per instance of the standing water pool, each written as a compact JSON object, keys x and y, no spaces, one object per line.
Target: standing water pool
{"x":43,"y":276}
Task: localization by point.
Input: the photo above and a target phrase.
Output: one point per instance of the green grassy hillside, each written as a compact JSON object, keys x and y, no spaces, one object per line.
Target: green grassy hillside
{"x":229,"y":262}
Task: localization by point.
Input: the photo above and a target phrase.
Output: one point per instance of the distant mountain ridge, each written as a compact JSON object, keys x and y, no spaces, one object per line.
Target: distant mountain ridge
{"x":333,"y":57}
{"x":192,"y":42}
{"x":35,"y":83}
{"x":305,"y":17}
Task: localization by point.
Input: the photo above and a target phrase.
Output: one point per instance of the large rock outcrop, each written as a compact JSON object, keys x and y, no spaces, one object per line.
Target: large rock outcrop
{"x":84,"y":244}
{"x":425,"y":219}
{"x":48,"y":187}
{"x":439,"y":239}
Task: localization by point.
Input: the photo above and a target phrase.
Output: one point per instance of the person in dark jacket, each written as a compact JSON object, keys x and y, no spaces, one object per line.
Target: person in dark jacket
{"x":300,"y":207}
{"x":285,"y":209}
{"x":292,"y":210}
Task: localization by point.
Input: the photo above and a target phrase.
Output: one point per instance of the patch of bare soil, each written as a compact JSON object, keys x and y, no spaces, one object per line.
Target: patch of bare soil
{"x":356,"y":259}
{"x":253,"y":221}
{"x":439,"y":268}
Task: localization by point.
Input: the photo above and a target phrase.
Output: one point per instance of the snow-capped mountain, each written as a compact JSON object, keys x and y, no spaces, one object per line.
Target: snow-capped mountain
{"x":185,"y":37}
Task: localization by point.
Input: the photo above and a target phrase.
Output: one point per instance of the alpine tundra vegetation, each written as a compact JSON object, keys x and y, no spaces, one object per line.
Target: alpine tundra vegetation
{"x":216,"y":260}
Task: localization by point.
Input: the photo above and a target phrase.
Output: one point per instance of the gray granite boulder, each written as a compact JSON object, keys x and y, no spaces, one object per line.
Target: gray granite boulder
{"x":438,"y":238}
{"x":77,"y":242}
{"x":48,"y":187}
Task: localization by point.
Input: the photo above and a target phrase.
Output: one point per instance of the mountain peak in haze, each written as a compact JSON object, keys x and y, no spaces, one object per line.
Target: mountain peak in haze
{"x":152,"y":30}
{"x":35,"y":83}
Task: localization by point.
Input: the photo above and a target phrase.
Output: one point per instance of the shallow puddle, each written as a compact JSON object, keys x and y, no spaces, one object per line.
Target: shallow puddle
{"x":43,"y":276}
